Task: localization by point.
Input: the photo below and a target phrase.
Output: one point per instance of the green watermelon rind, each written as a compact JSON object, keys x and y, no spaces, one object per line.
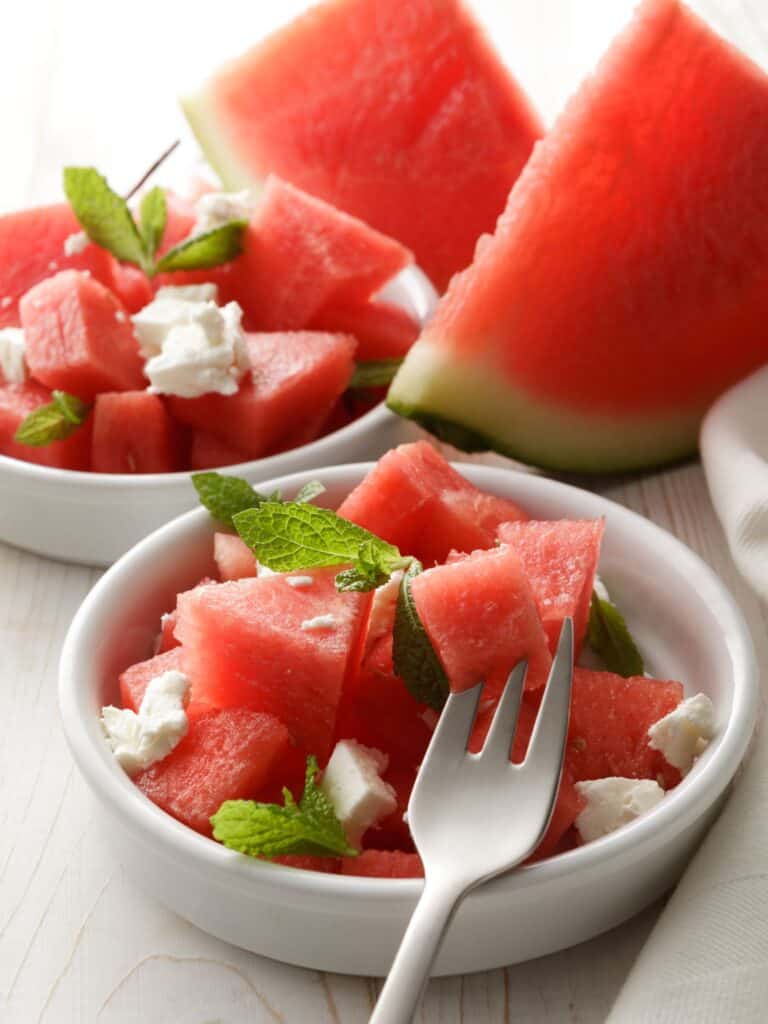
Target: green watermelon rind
{"x":198,"y":108}
{"x":476,"y":408}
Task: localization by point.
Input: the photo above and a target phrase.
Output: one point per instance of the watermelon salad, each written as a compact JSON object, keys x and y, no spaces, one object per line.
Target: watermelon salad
{"x":288,"y":702}
{"x":231,"y":327}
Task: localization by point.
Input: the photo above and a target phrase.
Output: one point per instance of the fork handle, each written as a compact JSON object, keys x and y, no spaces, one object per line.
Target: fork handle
{"x":409,"y":973}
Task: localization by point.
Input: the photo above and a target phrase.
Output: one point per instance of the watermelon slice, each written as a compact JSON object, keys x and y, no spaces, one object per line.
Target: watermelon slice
{"x":208,"y":452}
{"x":560,"y":559}
{"x":233,"y":557}
{"x":383,"y":331}
{"x":32,"y":248}
{"x":228,"y":754}
{"x":383,"y":864}
{"x":253,"y":643}
{"x":79,"y":337}
{"x":17,"y":401}
{"x":407,"y":120}
{"x":481,"y":618}
{"x":627,"y":283}
{"x":133,"y":433}
{"x":413,"y":498}
{"x":297,"y":376}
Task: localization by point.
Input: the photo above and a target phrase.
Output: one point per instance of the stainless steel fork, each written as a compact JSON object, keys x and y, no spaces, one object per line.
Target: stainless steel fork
{"x":494,"y":818}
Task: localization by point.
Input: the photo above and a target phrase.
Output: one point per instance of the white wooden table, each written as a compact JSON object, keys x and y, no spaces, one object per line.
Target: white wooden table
{"x":82,"y":82}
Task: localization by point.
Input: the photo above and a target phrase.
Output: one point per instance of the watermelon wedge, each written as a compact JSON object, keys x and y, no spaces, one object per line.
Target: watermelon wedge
{"x":627,"y":282}
{"x":407,"y":120}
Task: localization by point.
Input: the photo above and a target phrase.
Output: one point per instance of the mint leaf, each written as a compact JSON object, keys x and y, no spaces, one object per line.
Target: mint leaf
{"x":269,"y":830}
{"x":104,"y":215}
{"x":311,"y":490}
{"x":225,"y":496}
{"x":153,"y":213}
{"x":291,"y":535}
{"x":55,"y":421}
{"x":415,"y":659}
{"x":376,"y":373}
{"x":609,"y":637}
{"x":209,"y":249}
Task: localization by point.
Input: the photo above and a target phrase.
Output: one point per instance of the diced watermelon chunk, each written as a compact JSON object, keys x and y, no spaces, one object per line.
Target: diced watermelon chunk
{"x":567,"y":808}
{"x":560,"y":560}
{"x":414,"y":499}
{"x":134,"y":681}
{"x":79,"y":337}
{"x":208,"y":452}
{"x":32,"y":248}
{"x":228,"y":754}
{"x":481,"y":618}
{"x":383,"y":864}
{"x":17,"y":401}
{"x":392,"y":832}
{"x":253,"y":643}
{"x":296,"y":378}
{"x":383,"y":331}
{"x":131,"y":286}
{"x":234,"y":558}
{"x":328,"y":865}
{"x":133,"y":433}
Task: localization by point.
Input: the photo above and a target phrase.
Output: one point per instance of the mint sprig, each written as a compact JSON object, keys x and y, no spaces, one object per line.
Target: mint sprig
{"x":107,"y":220}
{"x":375,"y":373}
{"x":415,"y":659}
{"x":609,"y":637}
{"x":225,"y":496}
{"x":56,"y":421}
{"x":309,"y":828}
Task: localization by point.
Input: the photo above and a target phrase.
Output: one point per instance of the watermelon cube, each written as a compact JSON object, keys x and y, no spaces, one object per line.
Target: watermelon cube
{"x":481,"y":618}
{"x":414,"y":499}
{"x":17,"y":401}
{"x":133,"y":681}
{"x":233,"y":557}
{"x":208,"y":452}
{"x":133,"y":433}
{"x":383,"y":864}
{"x":560,"y":560}
{"x":228,"y":754}
{"x":263,"y":644}
{"x":296,"y":378}
{"x":33,"y":243}
{"x":131,"y":285}
{"x":383,"y":331}
{"x":79,"y":337}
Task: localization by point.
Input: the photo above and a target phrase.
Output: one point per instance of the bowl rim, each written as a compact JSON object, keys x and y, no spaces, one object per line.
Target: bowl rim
{"x":681,"y":807}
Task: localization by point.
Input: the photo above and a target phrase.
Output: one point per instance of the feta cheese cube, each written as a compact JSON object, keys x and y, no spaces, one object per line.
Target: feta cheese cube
{"x":685,"y":732}
{"x":214,"y":209}
{"x":139,"y":740}
{"x":352,"y":782}
{"x":613,"y":802}
{"x":13,"y":365}
{"x":383,"y":608}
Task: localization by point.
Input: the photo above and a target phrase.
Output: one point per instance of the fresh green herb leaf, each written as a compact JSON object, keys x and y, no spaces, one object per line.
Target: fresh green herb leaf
{"x":104,"y":215}
{"x":292,"y":536}
{"x":209,"y":249}
{"x":376,"y":373}
{"x":309,"y":492}
{"x":609,"y":637}
{"x":153,"y":214}
{"x":415,"y":659}
{"x":225,"y":496}
{"x":269,"y":830}
{"x":55,"y":421}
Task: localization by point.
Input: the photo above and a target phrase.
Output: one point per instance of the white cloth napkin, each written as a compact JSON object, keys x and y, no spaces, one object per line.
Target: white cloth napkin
{"x":706,"y":960}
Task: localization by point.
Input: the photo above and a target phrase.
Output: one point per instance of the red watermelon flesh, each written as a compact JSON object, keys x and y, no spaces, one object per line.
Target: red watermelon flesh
{"x":414,"y":499}
{"x":133,"y":433}
{"x":383,"y":864}
{"x":233,"y":557}
{"x":135,"y":680}
{"x":383,"y":331}
{"x":166,"y":640}
{"x":407,"y":120}
{"x":79,"y":337}
{"x":228,"y":754}
{"x":32,"y":248}
{"x":481,"y":618}
{"x":634,"y":248}
{"x":328,"y":865}
{"x":392,"y":832}
{"x":296,"y":378}
{"x":131,"y":286}
{"x":17,"y":401}
{"x":244,"y":645}
{"x":207,"y":452}
{"x":559,"y":558}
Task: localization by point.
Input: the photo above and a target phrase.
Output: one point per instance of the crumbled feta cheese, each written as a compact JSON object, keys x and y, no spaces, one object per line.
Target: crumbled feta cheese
{"x":208,"y":292}
{"x":13,"y":366}
{"x":299,"y":581}
{"x":213,"y":209}
{"x":613,"y":802}
{"x":352,"y":782}
{"x":139,"y":740}
{"x":320,"y":622}
{"x":5,"y":302}
{"x":76,"y":243}
{"x":264,"y":570}
{"x":383,"y":608}
{"x":685,"y":732}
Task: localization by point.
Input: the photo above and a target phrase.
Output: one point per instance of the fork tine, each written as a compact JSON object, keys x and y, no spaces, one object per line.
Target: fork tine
{"x":546,"y":748}
{"x":454,"y":727}
{"x":498,"y":742}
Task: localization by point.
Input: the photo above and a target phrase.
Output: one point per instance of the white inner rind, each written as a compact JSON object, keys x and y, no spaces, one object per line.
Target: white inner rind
{"x":199,"y":110}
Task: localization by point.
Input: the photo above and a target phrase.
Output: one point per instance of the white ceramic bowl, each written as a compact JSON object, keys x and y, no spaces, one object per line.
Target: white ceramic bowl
{"x":684,"y":620}
{"x":93,"y":518}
